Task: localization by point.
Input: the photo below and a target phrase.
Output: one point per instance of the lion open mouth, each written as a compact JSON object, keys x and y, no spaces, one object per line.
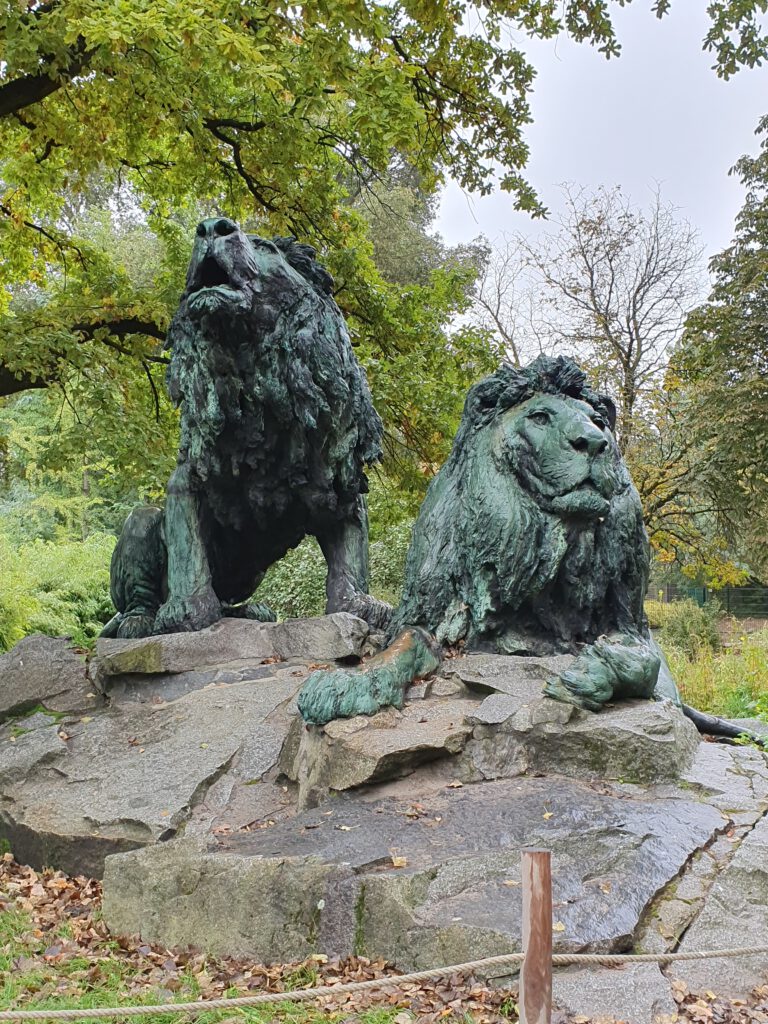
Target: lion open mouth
{"x":210,"y":274}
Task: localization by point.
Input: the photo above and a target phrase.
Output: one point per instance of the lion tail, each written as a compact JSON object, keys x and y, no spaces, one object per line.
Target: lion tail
{"x":715,"y":726}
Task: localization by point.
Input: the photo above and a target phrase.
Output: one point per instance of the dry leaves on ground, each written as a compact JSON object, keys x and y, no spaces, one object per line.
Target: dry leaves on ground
{"x":70,"y":948}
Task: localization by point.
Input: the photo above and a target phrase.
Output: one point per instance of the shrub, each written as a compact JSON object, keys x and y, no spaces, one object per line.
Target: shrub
{"x":686,"y":626}
{"x":17,"y":600}
{"x":71,"y":586}
{"x":387,"y":557}
{"x":731,"y":682}
{"x":295,"y":586}
{"x":60,"y":589}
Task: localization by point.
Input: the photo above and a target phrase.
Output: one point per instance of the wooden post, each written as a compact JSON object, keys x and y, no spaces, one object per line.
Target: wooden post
{"x":536,"y":973}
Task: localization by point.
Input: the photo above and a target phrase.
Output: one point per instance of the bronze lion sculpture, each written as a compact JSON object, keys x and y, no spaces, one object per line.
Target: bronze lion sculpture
{"x":530,"y":541}
{"x":277,"y":427}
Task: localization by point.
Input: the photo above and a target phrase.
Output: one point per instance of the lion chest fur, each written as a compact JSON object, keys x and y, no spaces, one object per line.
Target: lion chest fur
{"x":277,"y":421}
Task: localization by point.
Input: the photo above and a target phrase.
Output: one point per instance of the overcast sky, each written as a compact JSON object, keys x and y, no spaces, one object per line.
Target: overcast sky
{"x":657,"y":114}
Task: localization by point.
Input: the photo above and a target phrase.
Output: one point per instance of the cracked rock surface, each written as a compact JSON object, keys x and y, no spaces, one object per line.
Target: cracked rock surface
{"x":171,"y":745}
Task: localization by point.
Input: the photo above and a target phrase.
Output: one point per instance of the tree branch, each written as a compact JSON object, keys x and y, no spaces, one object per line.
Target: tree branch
{"x":30,"y":89}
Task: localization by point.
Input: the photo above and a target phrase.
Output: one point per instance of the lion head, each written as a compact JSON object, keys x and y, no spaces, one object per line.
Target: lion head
{"x":530,"y":539}
{"x":232,"y":272}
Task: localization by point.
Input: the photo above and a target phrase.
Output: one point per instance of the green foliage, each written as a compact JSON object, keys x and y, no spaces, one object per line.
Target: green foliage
{"x":387,"y":555}
{"x":57,"y":589}
{"x":732,"y":682}
{"x":686,"y":626}
{"x":295,"y":586}
{"x":71,"y":584}
{"x":282,"y":115}
{"x":17,"y":602}
{"x":722,"y":367}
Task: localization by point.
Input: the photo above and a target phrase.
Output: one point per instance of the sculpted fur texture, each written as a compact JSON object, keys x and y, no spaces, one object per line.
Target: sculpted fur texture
{"x":531,"y":538}
{"x":277,"y":427}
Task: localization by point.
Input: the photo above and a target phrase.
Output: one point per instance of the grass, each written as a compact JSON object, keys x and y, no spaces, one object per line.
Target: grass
{"x":27,"y":980}
{"x":717,"y":664}
{"x":732,"y":682}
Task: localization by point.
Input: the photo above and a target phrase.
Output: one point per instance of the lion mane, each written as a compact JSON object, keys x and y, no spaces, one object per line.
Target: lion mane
{"x":496,"y":563}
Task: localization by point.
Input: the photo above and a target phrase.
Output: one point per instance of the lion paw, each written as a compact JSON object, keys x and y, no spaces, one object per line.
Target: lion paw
{"x":188,"y":614}
{"x":135,"y":626}
{"x":376,"y":613}
{"x":252,"y":610}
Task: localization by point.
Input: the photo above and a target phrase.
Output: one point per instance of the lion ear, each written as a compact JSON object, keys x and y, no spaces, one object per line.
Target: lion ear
{"x":609,"y":407}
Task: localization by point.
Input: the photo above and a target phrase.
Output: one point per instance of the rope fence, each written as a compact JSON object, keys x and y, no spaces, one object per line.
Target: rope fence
{"x":307,"y":994}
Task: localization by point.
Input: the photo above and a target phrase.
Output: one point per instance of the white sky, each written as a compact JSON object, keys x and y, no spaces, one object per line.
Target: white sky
{"x":656,"y":115}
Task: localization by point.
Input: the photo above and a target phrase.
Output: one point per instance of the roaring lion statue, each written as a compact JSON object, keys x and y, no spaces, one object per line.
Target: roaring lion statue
{"x":277,"y":427}
{"x":530,"y":541}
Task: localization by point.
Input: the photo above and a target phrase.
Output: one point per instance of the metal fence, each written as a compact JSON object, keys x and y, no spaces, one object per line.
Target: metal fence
{"x":743,"y":602}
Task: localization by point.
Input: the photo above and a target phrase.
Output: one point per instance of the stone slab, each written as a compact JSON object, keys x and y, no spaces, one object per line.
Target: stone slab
{"x":44,"y":671}
{"x":633,"y":994}
{"x":515,"y":675}
{"x":327,"y":637}
{"x":636,"y":741}
{"x":134,"y":773}
{"x":348,"y":753}
{"x":732,"y":778}
{"x":169,"y":686}
{"x":735,"y":914}
{"x":426,"y":885}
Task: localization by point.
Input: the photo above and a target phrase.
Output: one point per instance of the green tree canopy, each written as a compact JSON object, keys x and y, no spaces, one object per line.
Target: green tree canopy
{"x":722,"y":366}
{"x":265,"y":109}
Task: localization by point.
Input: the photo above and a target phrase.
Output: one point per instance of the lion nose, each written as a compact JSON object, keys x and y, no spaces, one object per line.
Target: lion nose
{"x":216,"y":227}
{"x":592,"y":442}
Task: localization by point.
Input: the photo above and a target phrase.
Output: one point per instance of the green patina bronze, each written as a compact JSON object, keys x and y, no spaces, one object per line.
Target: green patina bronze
{"x":277,"y":427}
{"x":530,"y":541}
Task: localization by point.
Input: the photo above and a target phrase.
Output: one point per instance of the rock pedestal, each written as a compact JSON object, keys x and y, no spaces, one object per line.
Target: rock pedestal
{"x":178,"y":768}
{"x":171,"y":733}
{"x":495,"y":723}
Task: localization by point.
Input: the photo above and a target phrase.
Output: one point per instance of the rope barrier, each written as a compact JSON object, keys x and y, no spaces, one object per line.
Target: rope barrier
{"x":306,"y":994}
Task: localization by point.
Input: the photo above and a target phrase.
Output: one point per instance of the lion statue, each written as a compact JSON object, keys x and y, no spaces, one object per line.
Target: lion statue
{"x":530,"y":541}
{"x":277,"y":427}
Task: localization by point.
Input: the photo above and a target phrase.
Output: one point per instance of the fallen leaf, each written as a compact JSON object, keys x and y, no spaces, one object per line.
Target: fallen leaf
{"x":399,"y":862}
{"x":547,"y":815}
{"x":455,"y":784}
{"x":558,"y":926}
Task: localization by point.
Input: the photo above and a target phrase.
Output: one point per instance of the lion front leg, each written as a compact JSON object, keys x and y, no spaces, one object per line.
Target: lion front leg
{"x":345,"y":547}
{"x":192,"y":603}
{"x":382,"y":682}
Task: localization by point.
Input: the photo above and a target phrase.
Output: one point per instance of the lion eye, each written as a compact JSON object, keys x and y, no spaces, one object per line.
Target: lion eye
{"x":539,"y":416}
{"x":599,"y":422}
